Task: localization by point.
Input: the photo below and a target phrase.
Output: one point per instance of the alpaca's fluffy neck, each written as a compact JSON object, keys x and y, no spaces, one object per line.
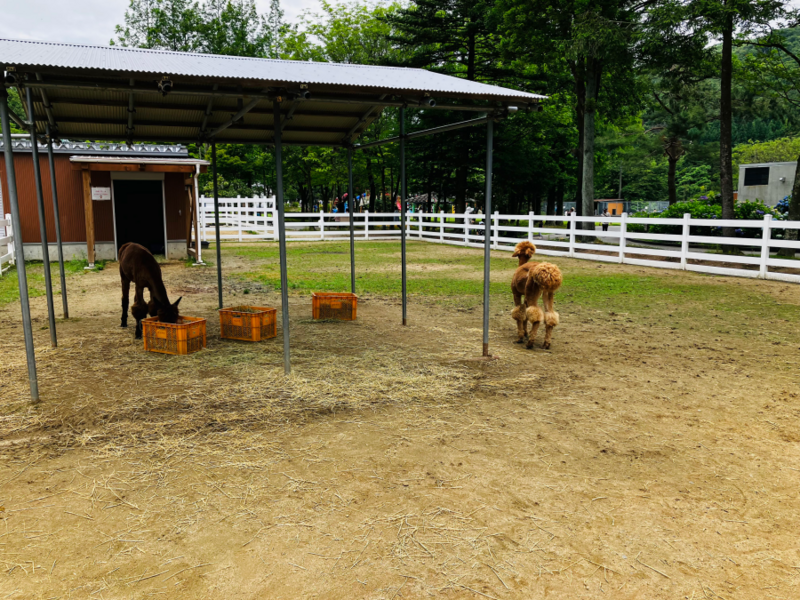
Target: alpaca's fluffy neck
{"x":523,"y":259}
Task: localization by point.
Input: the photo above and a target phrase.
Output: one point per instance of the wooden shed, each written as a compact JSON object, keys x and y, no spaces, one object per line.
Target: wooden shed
{"x":109,"y":194}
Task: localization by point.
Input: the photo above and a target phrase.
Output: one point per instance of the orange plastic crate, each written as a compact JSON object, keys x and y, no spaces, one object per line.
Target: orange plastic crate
{"x":249,"y":323}
{"x":186,"y":336}
{"x":326,"y":305}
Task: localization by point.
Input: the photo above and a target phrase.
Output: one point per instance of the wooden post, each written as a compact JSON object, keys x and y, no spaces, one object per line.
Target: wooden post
{"x":198,"y":253}
{"x":189,"y":210}
{"x":88,"y":213}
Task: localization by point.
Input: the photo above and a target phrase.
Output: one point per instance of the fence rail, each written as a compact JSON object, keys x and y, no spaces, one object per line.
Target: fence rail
{"x":688,"y":249}
{"x":6,"y":244}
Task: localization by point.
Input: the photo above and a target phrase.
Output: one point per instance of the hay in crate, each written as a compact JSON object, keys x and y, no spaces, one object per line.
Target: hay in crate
{"x":248,"y":323}
{"x":328,"y":305}
{"x":186,"y":336}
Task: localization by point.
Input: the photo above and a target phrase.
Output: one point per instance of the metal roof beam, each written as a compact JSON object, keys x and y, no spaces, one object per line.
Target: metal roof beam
{"x":21,"y":123}
{"x":141,"y":105}
{"x":246,"y":109}
{"x":361,"y":121}
{"x":208,"y":112}
{"x":425,"y":132}
{"x":290,"y":113}
{"x":178,"y":90}
{"x":48,"y":107}
{"x":234,"y":127}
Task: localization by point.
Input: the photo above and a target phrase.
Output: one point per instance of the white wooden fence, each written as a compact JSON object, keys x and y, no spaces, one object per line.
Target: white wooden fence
{"x":254,"y":219}
{"x":6,"y":244}
{"x":240,"y":219}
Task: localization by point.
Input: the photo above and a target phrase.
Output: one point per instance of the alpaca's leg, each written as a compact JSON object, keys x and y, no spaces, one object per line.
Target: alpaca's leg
{"x":534,"y":317}
{"x":533,"y":313}
{"x":518,"y":314}
{"x":551,"y":319}
{"x":126,"y":290}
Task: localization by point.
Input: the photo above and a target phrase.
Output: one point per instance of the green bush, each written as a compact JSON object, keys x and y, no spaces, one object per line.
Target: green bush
{"x":707,"y":207}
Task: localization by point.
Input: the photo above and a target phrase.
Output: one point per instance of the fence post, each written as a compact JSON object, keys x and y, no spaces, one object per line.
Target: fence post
{"x":276,"y":234}
{"x":466,"y":229}
{"x":441,"y":226}
{"x":687,"y":217}
{"x":495,"y":229}
{"x":571,"y":222}
{"x":321,"y":224}
{"x":239,"y":215}
{"x":366,"y":224}
{"x":766,"y":236}
{"x":530,"y":225}
{"x":419,"y":232}
{"x":623,"y":232}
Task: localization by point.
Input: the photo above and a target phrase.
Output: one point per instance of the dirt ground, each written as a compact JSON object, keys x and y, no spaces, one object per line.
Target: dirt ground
{"x":634,"y":460}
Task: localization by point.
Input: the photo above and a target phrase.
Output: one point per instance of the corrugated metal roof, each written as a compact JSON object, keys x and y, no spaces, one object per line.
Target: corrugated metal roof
{"x":89,"y":88}
{"x":162,"y":62}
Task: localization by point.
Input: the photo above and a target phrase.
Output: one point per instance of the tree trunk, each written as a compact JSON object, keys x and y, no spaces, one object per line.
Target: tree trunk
{"x":794,"y":213}
{"x":592,"y":76}
{"x":579,"y":75}
{"x":383,"y":187}
{"x":725,"y":129}
{"x":673,"y":150}
{"x":671,"y":189}
{"x":551,"y":200}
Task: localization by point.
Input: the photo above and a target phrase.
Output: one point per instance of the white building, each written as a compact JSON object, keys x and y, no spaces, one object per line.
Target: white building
{"x":768,"y":182}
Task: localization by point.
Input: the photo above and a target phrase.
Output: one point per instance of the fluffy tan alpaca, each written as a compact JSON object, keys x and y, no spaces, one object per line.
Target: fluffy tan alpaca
{"x":523,"y":251}
{"x":532,"y":280}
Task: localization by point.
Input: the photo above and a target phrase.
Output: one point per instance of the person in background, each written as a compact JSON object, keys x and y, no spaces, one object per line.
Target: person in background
{"x":605,"y":224}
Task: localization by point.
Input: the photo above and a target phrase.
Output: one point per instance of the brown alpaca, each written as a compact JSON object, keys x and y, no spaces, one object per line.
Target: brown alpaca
{"x":532,"y":280}
{"x":137,"y":265}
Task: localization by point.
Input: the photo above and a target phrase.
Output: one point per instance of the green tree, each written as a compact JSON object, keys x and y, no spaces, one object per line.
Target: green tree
{"x":728,"y":20}
{"x":163,"y":24}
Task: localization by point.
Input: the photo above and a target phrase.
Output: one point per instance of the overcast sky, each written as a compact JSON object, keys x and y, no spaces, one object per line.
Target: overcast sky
{"x":88,"y":21}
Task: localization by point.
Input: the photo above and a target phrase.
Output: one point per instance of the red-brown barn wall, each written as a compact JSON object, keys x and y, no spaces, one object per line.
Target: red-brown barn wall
{"x":103,"y":210}
{"x":69,"y":184}
{"x":70,"y":198}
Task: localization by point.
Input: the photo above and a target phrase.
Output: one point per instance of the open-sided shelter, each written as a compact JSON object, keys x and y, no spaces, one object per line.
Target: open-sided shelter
{"x":125,"y":94}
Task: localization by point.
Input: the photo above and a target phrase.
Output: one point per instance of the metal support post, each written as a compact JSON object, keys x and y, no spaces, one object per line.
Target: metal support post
{"x":37,"y":175}
{"x":287,"y":365}
{"x":350,"y":203}
{"x":403,"y":212}
{"x":487,"y":239}
{"x":216,"y":219}
{"x":19,"y":252}
{"x":57,"y":218}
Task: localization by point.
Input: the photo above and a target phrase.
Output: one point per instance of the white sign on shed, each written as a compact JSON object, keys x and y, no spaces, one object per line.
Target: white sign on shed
{"x":101,"y":193}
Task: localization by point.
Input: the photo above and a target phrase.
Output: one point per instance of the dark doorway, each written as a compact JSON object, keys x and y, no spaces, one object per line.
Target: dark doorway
{"x":139,"y":213}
